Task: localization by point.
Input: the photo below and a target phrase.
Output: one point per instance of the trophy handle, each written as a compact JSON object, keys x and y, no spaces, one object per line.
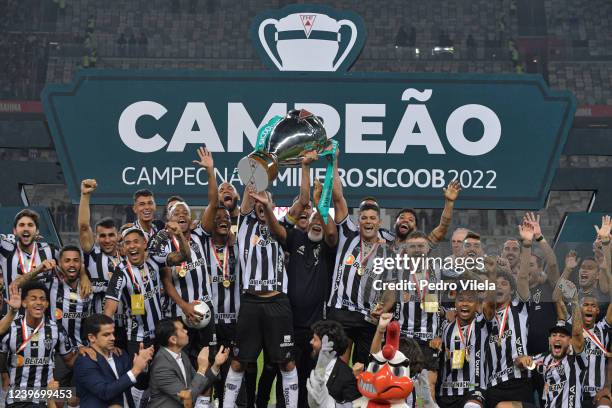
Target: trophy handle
{"x":351,"y":43}
{"x":264,"y":43}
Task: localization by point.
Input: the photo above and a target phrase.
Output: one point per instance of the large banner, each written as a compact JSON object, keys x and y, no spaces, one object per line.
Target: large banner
{"x":402,"y":136}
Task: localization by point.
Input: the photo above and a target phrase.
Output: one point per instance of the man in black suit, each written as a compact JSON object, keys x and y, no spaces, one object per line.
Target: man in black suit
{"x":173,"y":380}
{"x":332,"y":382}
{"x":107,"y":380}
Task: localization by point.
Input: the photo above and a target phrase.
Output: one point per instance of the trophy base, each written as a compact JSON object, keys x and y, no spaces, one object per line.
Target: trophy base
{"x":257,"y":169}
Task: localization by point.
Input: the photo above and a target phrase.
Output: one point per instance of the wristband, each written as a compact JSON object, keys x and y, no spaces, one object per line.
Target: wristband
{"x":605,"y":242}
{"x":526,"y":245}
{"x":540,"y":238}
{"x":291,"y":219}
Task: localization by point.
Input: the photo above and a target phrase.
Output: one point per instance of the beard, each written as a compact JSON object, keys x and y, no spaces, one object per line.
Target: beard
{"x":402,"y":235}
{"x":315,"y":236}
{"x":232,"y":206}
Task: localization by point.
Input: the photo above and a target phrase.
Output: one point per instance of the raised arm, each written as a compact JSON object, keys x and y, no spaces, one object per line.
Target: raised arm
{"x":603,"y":235}
{"x":522,"y":279}
{"x":383,"y":322}
{"x":304,"y":198}
{"x":184,"y":252}
{"x":340,"y":207}
{"x":14,"y":303}
{"x":571,"y":262}
{"x":577,"y":329}
{"x":488,"y":305}
{"x":278,"y":231}
{"x":329,"y":230}
{"x":451,"y":192}
{"x":552,"y":268}
{"x":247,"y":201}
{"x":208,"y":216}
{"x":86,"y":235}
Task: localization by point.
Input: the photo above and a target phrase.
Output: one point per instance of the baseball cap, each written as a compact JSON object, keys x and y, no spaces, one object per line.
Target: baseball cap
{"x":561,"y":327}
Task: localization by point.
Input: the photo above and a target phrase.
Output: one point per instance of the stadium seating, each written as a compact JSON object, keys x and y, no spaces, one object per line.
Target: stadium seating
{"x":50,"y":42}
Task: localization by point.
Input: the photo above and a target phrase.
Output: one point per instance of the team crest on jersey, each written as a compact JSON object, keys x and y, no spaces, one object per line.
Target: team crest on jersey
{"x":48,"y":343}
{"x":536,"y":296}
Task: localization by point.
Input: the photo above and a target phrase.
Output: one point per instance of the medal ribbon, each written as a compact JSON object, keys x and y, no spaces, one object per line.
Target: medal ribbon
{"x":24,"y":333}
{"x":504,"y":322}
{"x":326,"y":192}
{"x":416,"y":287}
{"x":225,"y":259}
{"x":364,"y":260}
{"x":129,"y":268}
{"x":595,"y":340}
{"x":32,"y":259}
{"x":552,"y":365}
{"x":465,"y":341}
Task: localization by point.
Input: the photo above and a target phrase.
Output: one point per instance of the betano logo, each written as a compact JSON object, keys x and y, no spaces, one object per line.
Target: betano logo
{"x":309,"y":38}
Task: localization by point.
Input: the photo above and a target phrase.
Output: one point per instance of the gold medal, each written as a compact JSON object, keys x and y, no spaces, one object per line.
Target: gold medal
{"x":181,"y":270}
{"x":226,"y":283}
{"x":73,"y":296}
{"x":360,"y":271}
{"x":138,"y":307}
{"x":430,"y":303}
{"x":458,"y":359}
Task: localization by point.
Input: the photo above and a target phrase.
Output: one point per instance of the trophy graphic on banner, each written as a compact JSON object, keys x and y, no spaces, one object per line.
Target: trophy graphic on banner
{"x":283,"y":142}
{"x":307,"y":42}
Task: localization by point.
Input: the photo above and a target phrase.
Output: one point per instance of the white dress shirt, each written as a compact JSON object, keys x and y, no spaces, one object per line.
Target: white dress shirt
{"x":179,"y":361}
{"x":111,"y":362}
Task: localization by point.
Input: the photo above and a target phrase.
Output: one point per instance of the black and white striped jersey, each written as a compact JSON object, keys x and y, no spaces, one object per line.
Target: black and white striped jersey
{"x":262,"y":259}
{"x":596,"y":360}
{"x":563,"y":379}
{"x":156,"y":226}
{"x":226,"y":301}
{"x":415,"y":320}
{"x":195,"y":284}
{"x":471,"y":340}
{"x":15,"y":262}
{"x":31,"y":364}
{"x":500,"y":354}
{"x":100,"y":267}
{"x":131,"y":280}
{"x":67,"y":307}
{"x":353,"y":279}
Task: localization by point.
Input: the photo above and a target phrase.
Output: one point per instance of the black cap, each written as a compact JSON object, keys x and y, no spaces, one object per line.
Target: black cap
{"x":561,"y":327}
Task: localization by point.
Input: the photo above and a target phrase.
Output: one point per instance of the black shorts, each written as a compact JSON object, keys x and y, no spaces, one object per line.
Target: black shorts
{"x":264,"y":323}
{"x":431,"y":357}
{"x":358,"y":330}
{"x":517,"y":389}
{"x":62,"y":373}
{"x":226,"y":334}
{"x":460,"y":400}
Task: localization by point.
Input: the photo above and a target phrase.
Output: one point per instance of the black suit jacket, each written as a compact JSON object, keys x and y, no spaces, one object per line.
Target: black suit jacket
{"x":341,"y":384}
{"x":96,"y":383}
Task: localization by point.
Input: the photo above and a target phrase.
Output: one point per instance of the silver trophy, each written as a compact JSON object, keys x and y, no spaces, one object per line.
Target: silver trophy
{"x":282,"y":142}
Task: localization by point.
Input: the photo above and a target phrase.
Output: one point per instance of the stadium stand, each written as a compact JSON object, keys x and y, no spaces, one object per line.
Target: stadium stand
{"x":57,"y":37}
